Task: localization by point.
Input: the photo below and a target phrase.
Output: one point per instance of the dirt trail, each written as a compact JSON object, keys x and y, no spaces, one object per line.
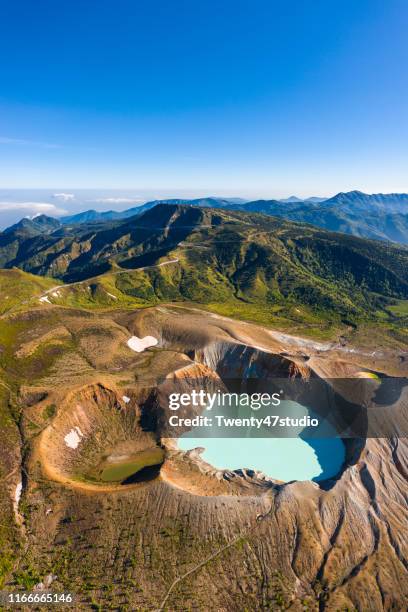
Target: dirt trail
{"x":46,"y":293}
{"x":86,"y":280}
{"x":218,"y":552}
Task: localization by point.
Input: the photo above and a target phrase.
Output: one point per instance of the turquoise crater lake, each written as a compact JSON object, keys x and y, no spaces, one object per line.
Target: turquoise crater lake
{"x":286,"y":458}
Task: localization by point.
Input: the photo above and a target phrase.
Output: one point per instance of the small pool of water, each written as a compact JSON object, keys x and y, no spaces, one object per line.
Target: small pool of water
{"x":118,"y":471}
{"x":286,"y":459}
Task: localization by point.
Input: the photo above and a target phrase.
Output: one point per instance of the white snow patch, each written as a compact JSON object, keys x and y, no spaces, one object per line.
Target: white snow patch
{"x":73,"y":438}
{"x":140,"y":344}
{"x":17,"y":494}
{"x":126,"y":399}
{"x":45,"y":298}
{"x":56,"y":294}
{"x":112,"y":296}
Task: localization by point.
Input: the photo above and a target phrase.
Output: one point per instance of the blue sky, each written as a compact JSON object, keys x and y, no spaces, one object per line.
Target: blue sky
{"x":258,"y":98}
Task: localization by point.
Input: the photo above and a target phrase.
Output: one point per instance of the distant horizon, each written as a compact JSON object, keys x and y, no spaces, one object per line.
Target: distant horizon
{"x":17,"y":203}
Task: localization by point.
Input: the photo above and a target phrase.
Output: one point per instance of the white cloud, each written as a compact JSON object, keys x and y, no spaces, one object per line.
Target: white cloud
{"x":65,"y":197}
{"x":32,"y":208}
{"x":117,"y":200}
{"x":5,"y":140}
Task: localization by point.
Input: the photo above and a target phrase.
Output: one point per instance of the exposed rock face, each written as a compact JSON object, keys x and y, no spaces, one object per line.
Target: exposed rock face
{"x":193,"y":536}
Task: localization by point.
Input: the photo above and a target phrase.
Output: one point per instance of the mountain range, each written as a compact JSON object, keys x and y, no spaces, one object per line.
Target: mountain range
{"x":90,"y":216}
{"x":376,"y":216}
{"x":219,"y":255}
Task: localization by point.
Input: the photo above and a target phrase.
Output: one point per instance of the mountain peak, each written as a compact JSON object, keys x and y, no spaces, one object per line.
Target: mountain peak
{"x":290,"y":199}
{"x":45,"y":220}
{"x":350,"y":194}
{"x":36,"y":225}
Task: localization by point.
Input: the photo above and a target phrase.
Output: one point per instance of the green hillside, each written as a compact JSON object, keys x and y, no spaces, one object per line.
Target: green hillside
{"x":246,"y":265}
{"x":17,"y":288}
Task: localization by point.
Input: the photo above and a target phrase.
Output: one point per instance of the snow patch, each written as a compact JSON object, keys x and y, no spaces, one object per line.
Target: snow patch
{"x":17,"y":494}
{"x":140,"y":344}
{"x":126,"y":399}
{"x":73,"y":438}
{"x":45,"y":298}
{"x":111,"y":295}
